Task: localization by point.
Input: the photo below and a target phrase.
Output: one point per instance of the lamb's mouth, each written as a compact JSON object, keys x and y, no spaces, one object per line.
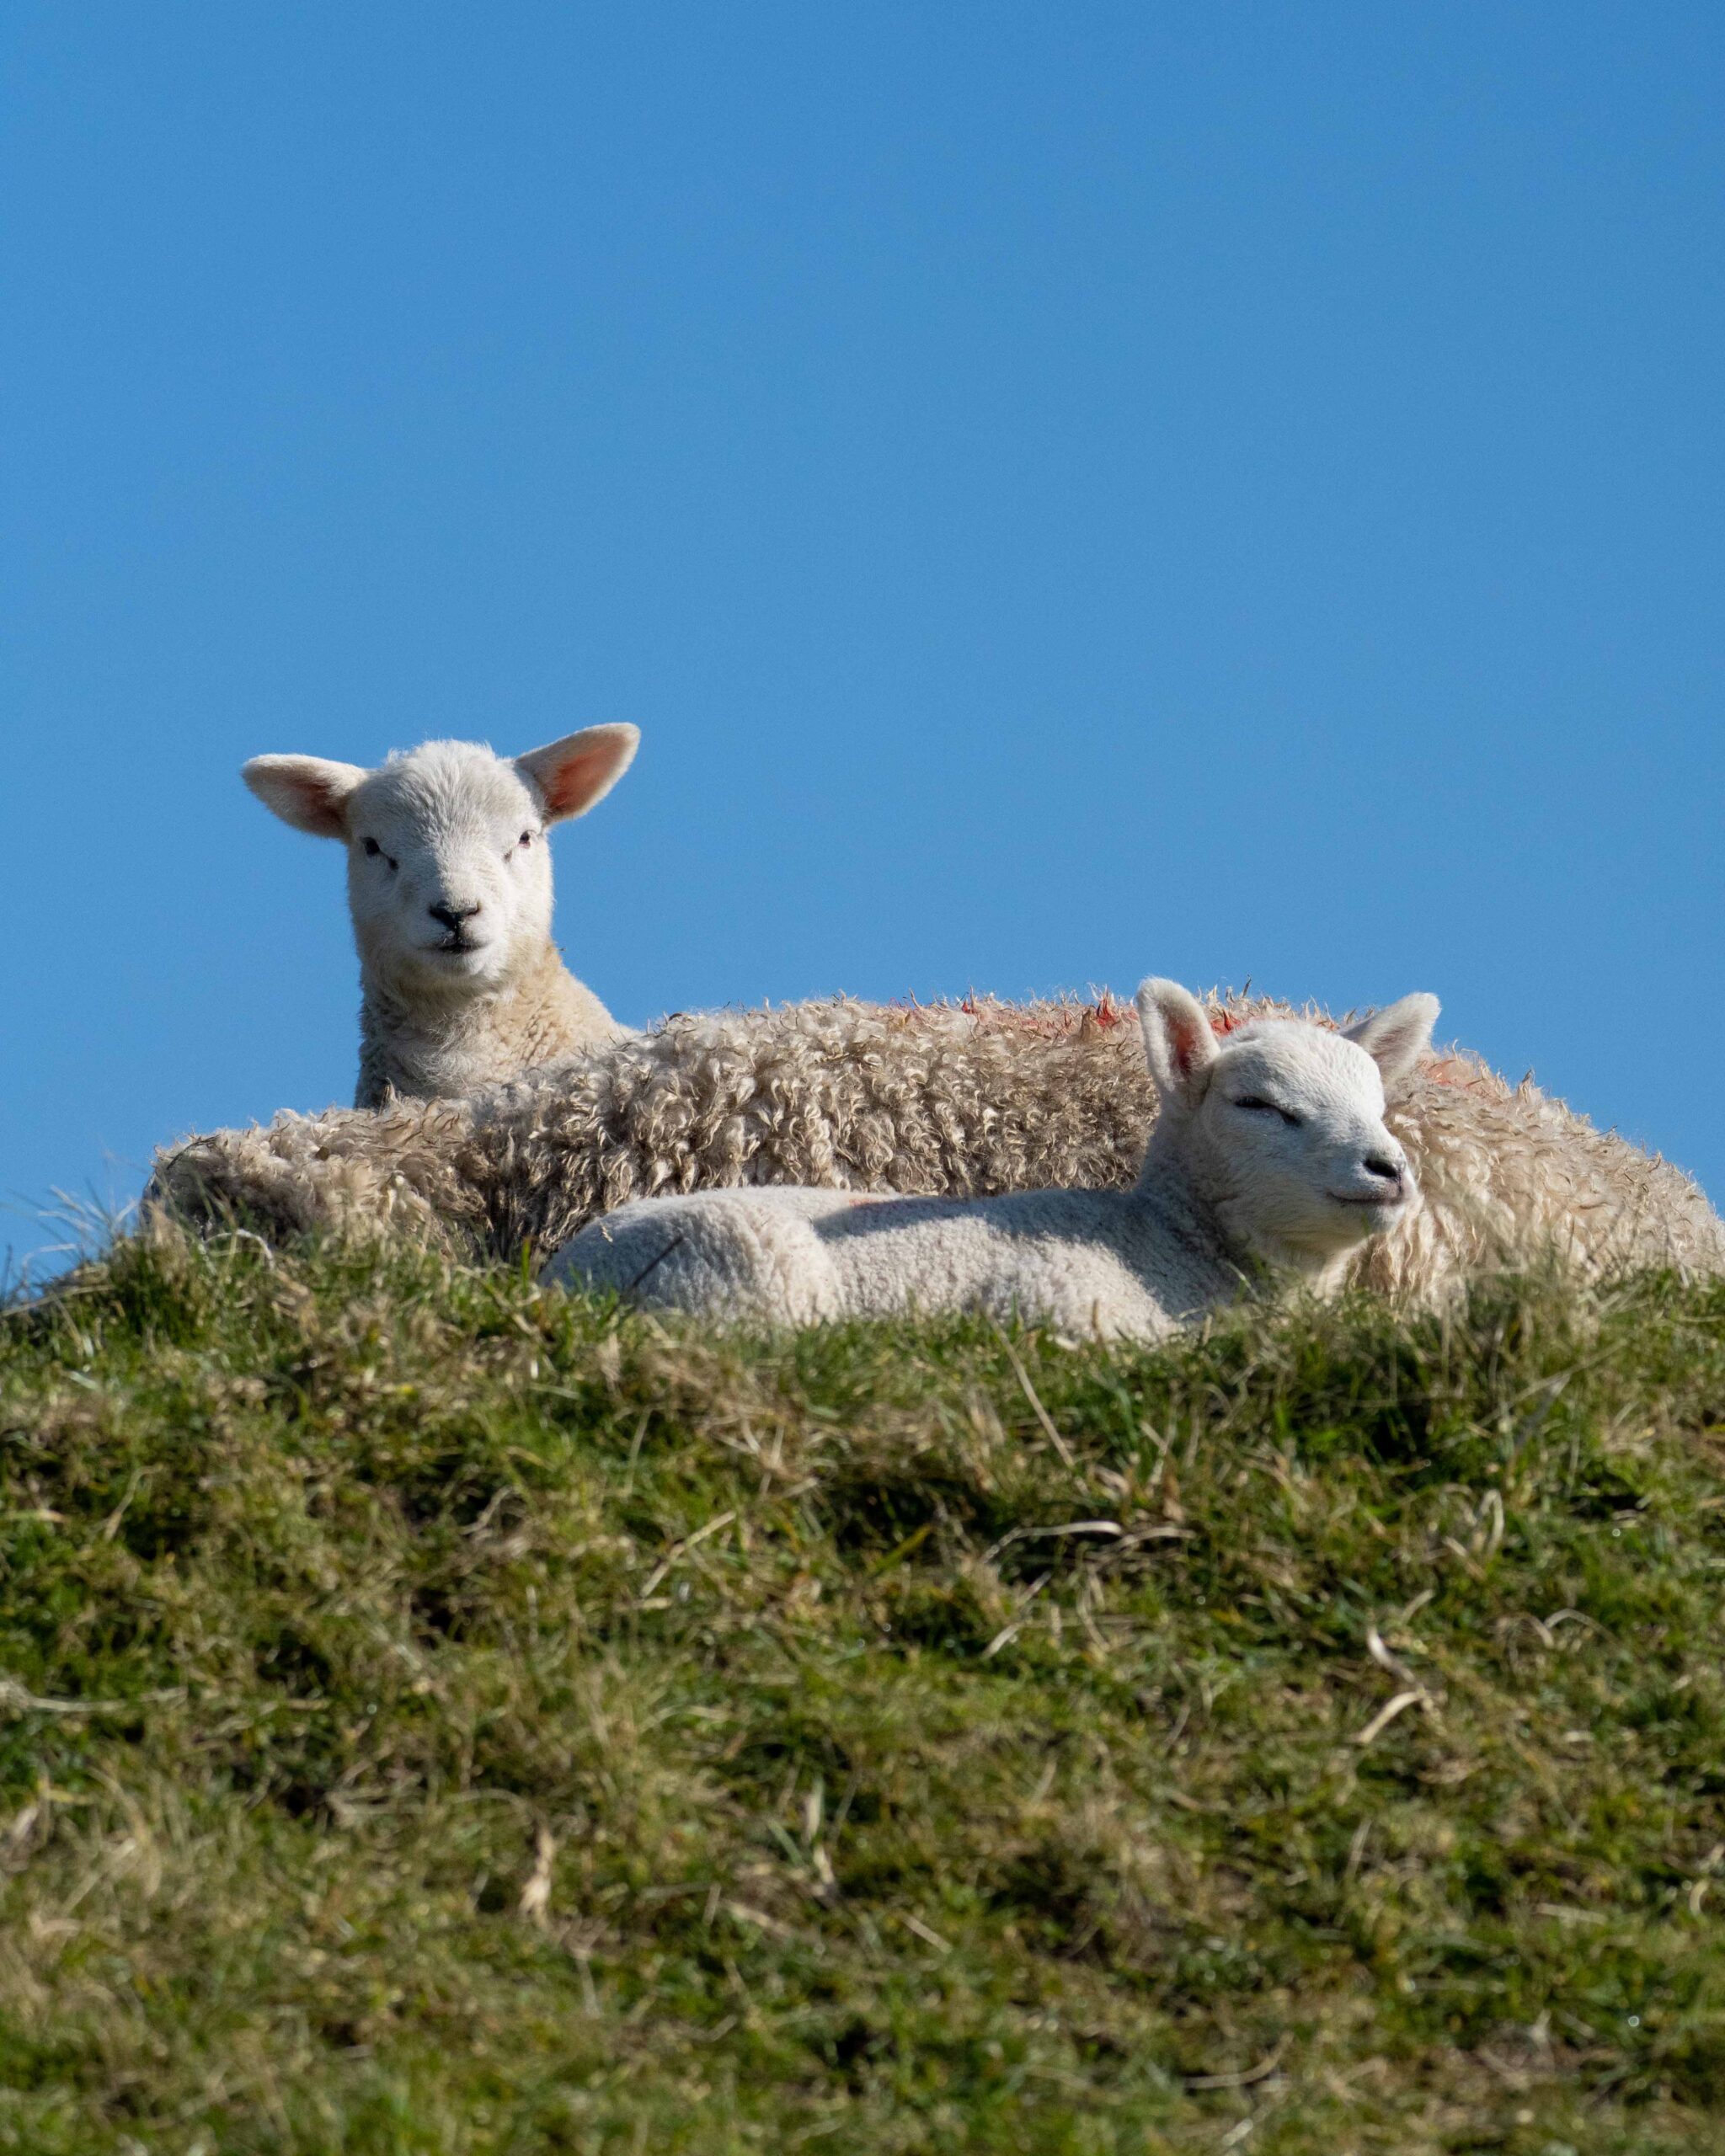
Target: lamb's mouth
{"x":455,"y":946}
{"x":1379,"y":1204}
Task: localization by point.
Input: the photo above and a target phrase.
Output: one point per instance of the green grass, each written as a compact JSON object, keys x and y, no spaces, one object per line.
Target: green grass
{"x":436,"y":1716}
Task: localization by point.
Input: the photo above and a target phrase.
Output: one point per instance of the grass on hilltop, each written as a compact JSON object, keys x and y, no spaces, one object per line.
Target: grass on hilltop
{"x":436,"y":1716}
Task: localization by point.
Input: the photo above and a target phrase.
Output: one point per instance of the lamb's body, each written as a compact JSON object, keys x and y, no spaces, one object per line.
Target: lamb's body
{"x":1108,"y":1263}
{"x":863,"y":1097}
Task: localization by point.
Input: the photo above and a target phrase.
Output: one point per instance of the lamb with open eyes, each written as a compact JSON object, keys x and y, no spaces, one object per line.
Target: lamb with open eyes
{"x":1269,"y":1152}
{"x":449,"y":884}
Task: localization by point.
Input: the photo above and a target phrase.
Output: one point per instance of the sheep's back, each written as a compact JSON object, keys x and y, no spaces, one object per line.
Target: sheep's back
{"x":947,"y":1100}
{"x":1507,"y":1175}
{"x":964,"y":1100}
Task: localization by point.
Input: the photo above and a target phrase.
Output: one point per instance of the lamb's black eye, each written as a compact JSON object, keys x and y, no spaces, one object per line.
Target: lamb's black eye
{"x":1267,"y":1107}
{"x":526,"y":838}
{"x":372,"y":847}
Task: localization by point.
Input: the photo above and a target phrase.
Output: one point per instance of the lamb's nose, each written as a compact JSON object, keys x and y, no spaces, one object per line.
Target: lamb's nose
{"x":451,"y":917}
{"x":1381,"y":1164}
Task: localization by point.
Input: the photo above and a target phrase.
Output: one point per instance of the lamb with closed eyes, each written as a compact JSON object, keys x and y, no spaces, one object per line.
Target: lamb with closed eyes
{"x":1269,"y":1159}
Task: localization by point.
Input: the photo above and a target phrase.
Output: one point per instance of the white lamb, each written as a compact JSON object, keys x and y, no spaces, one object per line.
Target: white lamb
{"x":1269,"y":1153}
{"x":449,"y":884}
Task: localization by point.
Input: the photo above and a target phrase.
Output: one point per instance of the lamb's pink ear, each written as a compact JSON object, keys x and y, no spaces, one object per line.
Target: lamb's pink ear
{"x":1178,"y":1044}
{"x":310,"y":793}
{"x":572,"y":774}
{"x":1397,"y":1036}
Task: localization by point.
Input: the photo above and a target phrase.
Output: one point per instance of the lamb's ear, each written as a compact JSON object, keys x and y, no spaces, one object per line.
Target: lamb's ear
{"x":572,"y":774}
{"x":1397,"y":1036}
{"x":310,"y":793}
{"x":1178,"y":1044}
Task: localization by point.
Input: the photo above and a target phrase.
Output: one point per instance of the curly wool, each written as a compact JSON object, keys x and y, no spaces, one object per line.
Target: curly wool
{"x":966,"y":1101}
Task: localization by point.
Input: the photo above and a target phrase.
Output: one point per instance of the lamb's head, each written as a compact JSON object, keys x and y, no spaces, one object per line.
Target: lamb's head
{"x":1278,"y":1127}
{"x":448,"y":871}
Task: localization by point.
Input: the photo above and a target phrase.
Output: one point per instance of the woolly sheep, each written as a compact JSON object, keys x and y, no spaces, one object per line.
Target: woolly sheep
{"x":1268,"y":1152}
{"x":960,"y":1102}
{"x":449,"y":885}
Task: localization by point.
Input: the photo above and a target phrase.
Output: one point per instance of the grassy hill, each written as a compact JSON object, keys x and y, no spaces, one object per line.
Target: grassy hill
{"x":436,"y":1717}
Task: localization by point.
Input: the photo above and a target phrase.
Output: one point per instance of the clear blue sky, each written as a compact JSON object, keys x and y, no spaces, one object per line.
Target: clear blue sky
{"x":1066,"y":491}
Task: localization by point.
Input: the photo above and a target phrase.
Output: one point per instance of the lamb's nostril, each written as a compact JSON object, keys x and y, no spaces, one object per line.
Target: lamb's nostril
{"x":451,"y":917}
{"x":1380,"y":1164}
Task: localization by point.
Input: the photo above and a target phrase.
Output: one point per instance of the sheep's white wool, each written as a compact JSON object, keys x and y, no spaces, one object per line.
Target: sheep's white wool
{"x":449,"y":886}
{"x":1269,"y":1151}
{"x":941,"y":1101}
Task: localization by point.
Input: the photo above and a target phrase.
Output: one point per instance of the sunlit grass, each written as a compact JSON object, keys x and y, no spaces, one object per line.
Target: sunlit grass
{"x":436,"y":1715}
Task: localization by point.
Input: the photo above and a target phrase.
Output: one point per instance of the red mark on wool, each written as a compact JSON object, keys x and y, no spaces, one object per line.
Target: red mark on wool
{"x":1459,"y":1070}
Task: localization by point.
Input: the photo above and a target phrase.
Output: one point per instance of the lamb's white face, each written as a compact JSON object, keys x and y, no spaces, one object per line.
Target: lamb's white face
{"x":1281,"y":1124}
{"x":1292,"y":1127}
{"x":449,"y":872}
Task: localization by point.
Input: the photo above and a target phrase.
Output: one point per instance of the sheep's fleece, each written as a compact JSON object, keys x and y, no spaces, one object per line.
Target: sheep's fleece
{"x":964,"y":1100}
